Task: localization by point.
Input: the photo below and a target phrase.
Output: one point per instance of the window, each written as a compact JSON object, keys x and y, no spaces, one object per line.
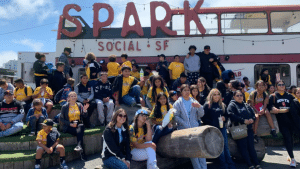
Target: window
{"x":281,"y":71}
{"x":243,"y":23}
{"x":282,"y":22}
{"x":209,"y":22}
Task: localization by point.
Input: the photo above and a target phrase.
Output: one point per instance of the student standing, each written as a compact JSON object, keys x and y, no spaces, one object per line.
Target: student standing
{"x":192,"y":65}
{"x":116,"y":153}
{"x":175,"y":69}
{"x":40,"y":68}
{"x":162,"y":68}
{"x":64,"y":58}
{"x":92,"y":69}
{"x":59,"y":79}
{"x":188,"y":114}
{"x":113,"y":68}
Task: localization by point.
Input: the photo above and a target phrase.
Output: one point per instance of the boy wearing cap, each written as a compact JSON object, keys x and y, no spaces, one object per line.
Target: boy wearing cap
{"x":162,"y":68}
{"x":47,"y":140}
{"x":64,"y":58}
{"x":11,"y":115}
{"x":175,"y":69}
{"x":192,"y":65}
{"x":127,"y":89}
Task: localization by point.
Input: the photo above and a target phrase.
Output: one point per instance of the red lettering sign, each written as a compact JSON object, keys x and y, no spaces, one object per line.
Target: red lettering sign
{"x":136,"y":28}
{"x":116,"y":46}
{"x":192,"y":15}
{"x":97,"y":25}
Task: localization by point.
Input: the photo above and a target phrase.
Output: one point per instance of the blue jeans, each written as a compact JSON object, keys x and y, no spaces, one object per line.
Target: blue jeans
{"x":246,"y":148}
{"x":33,"y":122}
{"x":12,"y":130}
{"x":114,"y":163}
{"x":159,"y":132}
{"x":133,"y":97}
{"x":225,"y":159}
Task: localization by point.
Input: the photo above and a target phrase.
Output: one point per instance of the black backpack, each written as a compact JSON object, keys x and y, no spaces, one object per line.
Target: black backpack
{"x":264,"y":95}
{"x":25,"y":90}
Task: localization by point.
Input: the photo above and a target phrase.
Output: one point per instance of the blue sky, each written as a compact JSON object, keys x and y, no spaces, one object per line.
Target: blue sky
{"x":38,"y":18}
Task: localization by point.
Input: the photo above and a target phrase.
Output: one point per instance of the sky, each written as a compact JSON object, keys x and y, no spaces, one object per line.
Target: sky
{"x":30,"y":25}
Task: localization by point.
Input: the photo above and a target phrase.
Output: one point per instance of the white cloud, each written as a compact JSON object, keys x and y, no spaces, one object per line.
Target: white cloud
{"x":41,"y":9}
{"x":35,"y":46}
{"x":5,"y":56}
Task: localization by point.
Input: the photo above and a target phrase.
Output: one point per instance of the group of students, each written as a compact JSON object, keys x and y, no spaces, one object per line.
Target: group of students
{"x":187,"y":87}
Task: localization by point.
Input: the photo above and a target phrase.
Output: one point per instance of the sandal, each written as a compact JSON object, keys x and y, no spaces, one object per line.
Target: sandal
{"x":258,"y":167}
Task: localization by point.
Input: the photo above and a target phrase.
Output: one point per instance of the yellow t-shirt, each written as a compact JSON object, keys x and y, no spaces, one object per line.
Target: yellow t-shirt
{"x":127,"y":63}
{"x":177,"y":68}
{"x":163,"y":110}
{"x":20,"y":93}
{"x":139,"y":137}
{"x":113,"y":69}
{"x":158,"y":90}
{"x":42,"y":136}
{"x":246,"y":96}
{"x":135,"y":74}
{"x":46,"y":95}
{"x":37,"y":112}
{"x":74,"y":113}
{"x":127,"y":81}
{"x":145,"y":88}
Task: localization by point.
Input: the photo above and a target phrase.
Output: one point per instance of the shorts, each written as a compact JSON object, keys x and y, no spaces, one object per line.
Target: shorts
{"x":54,"y":150}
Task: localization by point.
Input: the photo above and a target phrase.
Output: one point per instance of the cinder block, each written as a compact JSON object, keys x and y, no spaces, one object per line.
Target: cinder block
{"x":18,"y":165}
{"x":9,"y":165}
{"x":29,"y":164}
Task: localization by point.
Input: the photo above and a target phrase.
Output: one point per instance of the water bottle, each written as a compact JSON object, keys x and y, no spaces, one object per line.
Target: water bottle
{"x":141,"y":75}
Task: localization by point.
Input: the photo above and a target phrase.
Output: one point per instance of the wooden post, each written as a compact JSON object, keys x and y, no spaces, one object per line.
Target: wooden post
{"x":203,"y":142}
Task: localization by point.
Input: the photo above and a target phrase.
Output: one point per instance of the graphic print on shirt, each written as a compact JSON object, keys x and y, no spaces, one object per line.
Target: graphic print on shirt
{"x":283,"y":103}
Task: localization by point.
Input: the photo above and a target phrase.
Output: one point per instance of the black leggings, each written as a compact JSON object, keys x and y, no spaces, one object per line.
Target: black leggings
{"x":90,"y":110}
{"x":287,"y":132}
{"x":78,"y":132}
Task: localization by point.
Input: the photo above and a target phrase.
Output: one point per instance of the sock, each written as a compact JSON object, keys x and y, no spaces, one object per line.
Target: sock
{"x":37,"y":161}
{"x":62,"y":159}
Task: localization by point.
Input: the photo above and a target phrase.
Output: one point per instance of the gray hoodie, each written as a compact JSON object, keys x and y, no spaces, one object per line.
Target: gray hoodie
{"x":192,"y":64}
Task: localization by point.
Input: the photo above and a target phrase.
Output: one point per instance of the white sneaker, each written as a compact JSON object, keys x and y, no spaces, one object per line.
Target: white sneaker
{"x":293,"y":163}
{"x":31,"y":134}
{"x":37,"y":166}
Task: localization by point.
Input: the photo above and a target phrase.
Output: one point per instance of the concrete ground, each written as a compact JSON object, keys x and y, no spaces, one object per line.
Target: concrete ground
{"x":276,"y":158}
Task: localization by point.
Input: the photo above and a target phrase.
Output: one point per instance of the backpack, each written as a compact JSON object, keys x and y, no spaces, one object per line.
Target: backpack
{"x":264,"y":95}
{"x":227,"y":75}
{"x":25,"y":90}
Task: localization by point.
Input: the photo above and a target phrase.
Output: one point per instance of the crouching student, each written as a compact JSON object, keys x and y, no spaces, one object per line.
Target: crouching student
{"x":10,"y":121}
{"x":45,"y":94}
{"x":103,"y":96}
{"x":157,"y":115}
{"x":142,"y":148}
{"x":36,"y":116}
{"x":116,"y":146}
{"x":127,"y":89}
{"x":47,"y":140}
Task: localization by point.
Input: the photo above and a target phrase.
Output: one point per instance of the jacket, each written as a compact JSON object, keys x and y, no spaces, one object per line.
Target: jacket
{"x":91,"y":68}
{"x":216,"y":74}
{"x":65,"y":93}
{"x":239,"y":112}
{"x":64,"y":58}
{"x":118,"y":84}
{"x":163,"y":71}
{"x":57,"y":81}
{"x":40,"y":67}
{"x":206,"y":65}
{"x":112,"y":147}
{"x":181,"y":116}
{"x":212,"y":114}
{"x":64,"y":115}
{"x":13,"y":112}
{"x":102,"y":90}
{"x":31,"y":112}
{"x":84,"y":92}
{"x":177,"y":84}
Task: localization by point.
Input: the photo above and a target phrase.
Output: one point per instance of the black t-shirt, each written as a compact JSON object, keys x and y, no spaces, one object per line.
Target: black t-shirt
{"x":52,"y":137}
{"x":14,"y":107}
{"x":212,"y":114}
{"x":203,"y":95}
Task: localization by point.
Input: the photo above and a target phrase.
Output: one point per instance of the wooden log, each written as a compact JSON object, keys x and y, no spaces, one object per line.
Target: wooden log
{"x":263,"y":126}
{"x":259,"y":147}
{"x":203,"y":142}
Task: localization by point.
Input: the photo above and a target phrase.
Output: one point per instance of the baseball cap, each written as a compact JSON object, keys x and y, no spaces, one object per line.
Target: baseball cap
{"x":68,"y":49}
{"x":48,"y":122}
{"x":8,"y":92}
{"x":206,"y":47}
{"x":183,"y":75}
{"x":141,"y":111}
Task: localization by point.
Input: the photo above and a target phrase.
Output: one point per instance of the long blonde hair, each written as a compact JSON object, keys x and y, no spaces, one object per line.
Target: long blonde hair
{"x":210,"y":99}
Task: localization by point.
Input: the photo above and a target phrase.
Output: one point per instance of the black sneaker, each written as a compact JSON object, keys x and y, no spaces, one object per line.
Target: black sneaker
{"x":256,"y":139}
{"x":83,"y":157}
{"x":273,"y":133}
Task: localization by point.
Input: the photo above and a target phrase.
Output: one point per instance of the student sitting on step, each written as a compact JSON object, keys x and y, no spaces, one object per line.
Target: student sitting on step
{"x":66,"y":90}
{"x":47,"y":140}
{"x":10,"y":121}
{"x":103,"y":96}
{"x":35,"y":116}
{"x":45,"y":94}
{"x":127,"y":89}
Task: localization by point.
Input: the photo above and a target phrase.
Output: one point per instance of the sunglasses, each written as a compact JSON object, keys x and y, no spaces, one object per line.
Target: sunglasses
{"x":281,"y":85}
{"x":216,"y":94}
{"x":120,"y":115}
{"x":239,"y":95}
